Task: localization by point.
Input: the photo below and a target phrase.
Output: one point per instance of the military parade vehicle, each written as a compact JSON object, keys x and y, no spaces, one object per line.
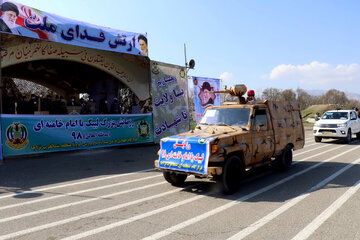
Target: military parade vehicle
{"x":233,"y":138}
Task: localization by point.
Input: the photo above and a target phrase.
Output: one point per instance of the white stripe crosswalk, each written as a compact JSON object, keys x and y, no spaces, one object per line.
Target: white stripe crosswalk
{"x":316,"y":154}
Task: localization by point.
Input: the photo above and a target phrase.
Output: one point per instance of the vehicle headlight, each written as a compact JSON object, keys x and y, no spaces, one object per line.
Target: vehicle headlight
{"x":317,"y":124}
{"x":342,"y":124}
{"x":214,"y":148}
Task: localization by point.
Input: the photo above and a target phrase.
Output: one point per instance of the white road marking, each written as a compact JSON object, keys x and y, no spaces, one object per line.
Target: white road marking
{"x":297,"y":154}
{"x":78,"y":202}
{"x":318,"y":154}
{"x":308,"y":145}
{"x":308,"y":139}
{"x":135,"y":218}
{"x":86,"y":215}
{"x":41,"y":227}
{"x":77,"y":192}
{"x":74,"y":183}
{"x":237,"y":201}
{"x":91,"y":189}
{"x":94,"y":231}
{"x":261,"y":222}
{"x":318,"y":221}
{"x":294,"y":163}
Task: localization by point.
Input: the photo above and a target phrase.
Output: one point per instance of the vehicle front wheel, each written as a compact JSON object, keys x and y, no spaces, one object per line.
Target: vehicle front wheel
{"x":234,"y":171}
{"x":284,"y":161}
{"x":348,"y":136}
{"x":358,"y":136}
{"x":176,"y":179}
{"x":317,"y":139}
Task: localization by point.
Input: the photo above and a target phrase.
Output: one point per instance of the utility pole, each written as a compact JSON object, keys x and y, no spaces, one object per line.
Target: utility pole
{"x":187,"y":84}
{"x":1,"y":82}
{"x":188,"y":66}
{"x":1,"y":111}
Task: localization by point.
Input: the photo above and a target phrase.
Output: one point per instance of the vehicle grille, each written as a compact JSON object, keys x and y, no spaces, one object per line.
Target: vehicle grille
{"x":328,"y":125}
{"x":324,"y":130}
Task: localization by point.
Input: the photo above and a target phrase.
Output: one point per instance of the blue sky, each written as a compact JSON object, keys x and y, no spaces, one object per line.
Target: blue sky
{"x":283,"y":44}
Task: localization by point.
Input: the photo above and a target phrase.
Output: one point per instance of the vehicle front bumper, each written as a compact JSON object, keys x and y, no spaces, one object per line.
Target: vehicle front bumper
{"x":340,"y":132}
{"x":211,"y":171}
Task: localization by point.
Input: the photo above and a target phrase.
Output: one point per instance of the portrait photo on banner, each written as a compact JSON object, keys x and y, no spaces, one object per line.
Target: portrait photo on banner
{"x":22,"y":20}
{"x":204,"y":95}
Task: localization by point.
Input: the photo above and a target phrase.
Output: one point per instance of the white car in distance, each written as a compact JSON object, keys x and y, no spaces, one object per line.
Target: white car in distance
{"x":339,"y":124}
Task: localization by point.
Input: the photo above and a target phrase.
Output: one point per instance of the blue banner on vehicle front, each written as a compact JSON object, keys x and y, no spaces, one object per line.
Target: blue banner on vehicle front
{"x":187,"y":154}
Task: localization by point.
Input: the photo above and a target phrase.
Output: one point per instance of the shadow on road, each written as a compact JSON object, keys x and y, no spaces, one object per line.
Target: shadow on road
{"x":260,"y":178}
{"x":354,"y":141}
{"x":25,"y":173}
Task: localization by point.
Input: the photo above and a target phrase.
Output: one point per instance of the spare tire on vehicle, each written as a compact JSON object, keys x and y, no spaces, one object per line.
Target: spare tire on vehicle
{"x":176,"y":179}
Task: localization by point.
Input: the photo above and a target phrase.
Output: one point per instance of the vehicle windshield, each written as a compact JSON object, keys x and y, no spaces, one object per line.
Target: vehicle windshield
{"x":226,"y":116}
{"x":335,"y":115}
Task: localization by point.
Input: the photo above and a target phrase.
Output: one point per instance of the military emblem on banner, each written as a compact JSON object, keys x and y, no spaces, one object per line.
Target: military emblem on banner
{"x":155,"y":68}
{"x":17,"y":135}
{"x":143,"y":129}
{"x":182,"y":73}
{"x":202,"y":141}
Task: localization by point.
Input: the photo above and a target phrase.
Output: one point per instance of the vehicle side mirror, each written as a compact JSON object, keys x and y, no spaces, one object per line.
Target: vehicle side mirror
{"x":317,"y":118}
{"x":260,"y":127}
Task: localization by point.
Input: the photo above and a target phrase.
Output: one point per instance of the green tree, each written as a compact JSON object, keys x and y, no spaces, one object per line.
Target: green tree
{"x":272,"y":94}
{"x":304,"y":99}
{"x":288,"y":95}
{"x":334,"y":96}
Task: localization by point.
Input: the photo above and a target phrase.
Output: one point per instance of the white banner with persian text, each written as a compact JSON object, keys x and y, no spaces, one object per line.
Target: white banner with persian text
{"x":19,"y":19}
{"x":170,"y":100}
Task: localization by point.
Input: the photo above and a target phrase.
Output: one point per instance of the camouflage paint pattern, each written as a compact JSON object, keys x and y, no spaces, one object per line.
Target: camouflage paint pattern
{"x":253,"y":146}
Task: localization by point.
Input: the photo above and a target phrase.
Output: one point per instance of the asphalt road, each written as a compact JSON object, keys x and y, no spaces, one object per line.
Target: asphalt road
{"x":114,"y":193}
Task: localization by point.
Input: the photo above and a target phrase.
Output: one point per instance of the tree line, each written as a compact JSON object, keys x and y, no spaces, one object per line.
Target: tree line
{"x":332,"y":97}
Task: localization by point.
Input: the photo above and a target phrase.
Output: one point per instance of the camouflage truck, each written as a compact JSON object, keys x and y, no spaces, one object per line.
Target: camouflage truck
{"x":233,"y":138}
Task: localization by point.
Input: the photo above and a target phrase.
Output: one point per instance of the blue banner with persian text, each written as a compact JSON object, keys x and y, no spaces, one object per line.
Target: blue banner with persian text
{"x":187,"y":154}
{"x":22,"y":20}
{"x":22,"y":134}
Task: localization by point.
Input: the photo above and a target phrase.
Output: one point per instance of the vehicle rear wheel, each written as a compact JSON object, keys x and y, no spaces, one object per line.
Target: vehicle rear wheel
{"x":318,"y":139}
{"x":284,"y":161}
{"x":348,"y":136}
{"x":176,"y":179}
{"x":234,"y":171}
